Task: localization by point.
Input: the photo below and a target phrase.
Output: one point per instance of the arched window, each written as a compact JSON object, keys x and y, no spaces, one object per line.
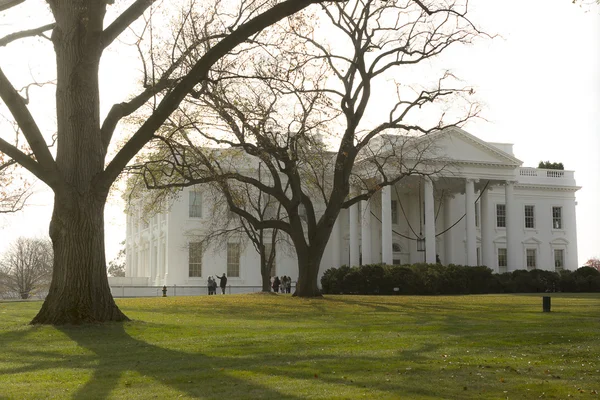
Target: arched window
{"x":396,"y":248}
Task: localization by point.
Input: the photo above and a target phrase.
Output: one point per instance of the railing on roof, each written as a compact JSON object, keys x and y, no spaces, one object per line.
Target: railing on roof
{"x":549,"y":176}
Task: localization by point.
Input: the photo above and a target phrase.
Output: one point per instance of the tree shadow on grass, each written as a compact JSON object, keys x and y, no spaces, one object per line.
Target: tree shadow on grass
{"x":195,"y":374}
{"x":120,"y":365}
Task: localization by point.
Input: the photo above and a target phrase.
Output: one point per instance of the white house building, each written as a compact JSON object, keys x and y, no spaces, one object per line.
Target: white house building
{"x":484,"y":209}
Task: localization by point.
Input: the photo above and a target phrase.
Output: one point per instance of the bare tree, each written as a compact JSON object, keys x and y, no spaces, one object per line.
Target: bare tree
{"x":26,"y":267}
{"x":284,"y":110}
{"x":116,"y":267}
{"x":14,"y":191}
{"x":80,"y":174}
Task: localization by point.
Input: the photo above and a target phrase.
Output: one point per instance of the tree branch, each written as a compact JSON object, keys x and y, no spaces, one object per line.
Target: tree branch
{"x":23,"y":159}
{"x":124,"y":20}
{"x":197,"y":73}
{"x":23,"y":34}
{"x":24,"y":119}
{"x":124,"y":109}
{"x":6,"y":4}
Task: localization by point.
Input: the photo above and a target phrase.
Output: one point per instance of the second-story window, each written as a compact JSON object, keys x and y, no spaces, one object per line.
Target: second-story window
{"x":529,"y":217}
{"x":195,"y":209}
{"x":501,"y":215}
{"x":557,"y":218}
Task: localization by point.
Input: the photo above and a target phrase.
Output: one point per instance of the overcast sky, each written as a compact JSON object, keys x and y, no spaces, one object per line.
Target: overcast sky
{"x":539,"y":82}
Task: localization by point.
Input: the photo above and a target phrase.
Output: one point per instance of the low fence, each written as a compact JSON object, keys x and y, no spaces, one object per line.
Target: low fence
{"x":174,"y":290}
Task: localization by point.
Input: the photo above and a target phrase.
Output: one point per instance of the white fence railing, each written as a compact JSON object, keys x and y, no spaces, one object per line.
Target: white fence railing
{"x":545,"y":173}
{"x":175,"y":290}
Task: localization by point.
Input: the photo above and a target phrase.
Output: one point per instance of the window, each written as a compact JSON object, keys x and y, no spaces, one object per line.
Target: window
{"x":556,"y":217}
{"x":530,"y":255}
{"x":233,"y":260}
{"x":502,"y":260}
{"x":268,"y":249}
{"x":195,"y":259}
{"x":394,"y":211}
{"x":529,"y":217}
{"x":195,"y":210}
{"x":478,"y":256}
{"x":559,"y":259}
{"x":477,"y":214}
{"x":501,"y":215}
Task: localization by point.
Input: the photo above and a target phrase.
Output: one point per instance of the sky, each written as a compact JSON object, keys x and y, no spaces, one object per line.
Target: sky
{"x":538,"y":80}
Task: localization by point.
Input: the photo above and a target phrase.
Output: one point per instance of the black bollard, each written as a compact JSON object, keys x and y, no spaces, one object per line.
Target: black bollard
{"x":546,"y":303}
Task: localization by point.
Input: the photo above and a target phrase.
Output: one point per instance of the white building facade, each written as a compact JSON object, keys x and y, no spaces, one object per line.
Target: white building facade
{"x":484,"y":209}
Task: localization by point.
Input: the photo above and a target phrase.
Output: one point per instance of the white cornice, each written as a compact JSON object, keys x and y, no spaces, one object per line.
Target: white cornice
{"x":547,"y":187}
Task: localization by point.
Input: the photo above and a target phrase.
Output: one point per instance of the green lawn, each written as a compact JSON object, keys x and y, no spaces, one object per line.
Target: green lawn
{"x":340,"y":347}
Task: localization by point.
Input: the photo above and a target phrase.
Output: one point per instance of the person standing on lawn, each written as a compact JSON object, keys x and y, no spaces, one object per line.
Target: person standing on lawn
{"x":223,"y":282}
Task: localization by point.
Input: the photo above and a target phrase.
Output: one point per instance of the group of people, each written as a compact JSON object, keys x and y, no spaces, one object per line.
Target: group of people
{"x":212,"y":284}
{"x":284,"y":284}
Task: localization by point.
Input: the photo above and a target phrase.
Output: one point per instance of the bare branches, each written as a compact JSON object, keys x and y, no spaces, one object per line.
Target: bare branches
{"x":118,"y":111}
{"x":26,"y":267}
{"x":26,"y":33}
{"x":200,"y":70}
{"x":124,"y":20}
{"x":45,"y":166}
{"x":6,"y":4}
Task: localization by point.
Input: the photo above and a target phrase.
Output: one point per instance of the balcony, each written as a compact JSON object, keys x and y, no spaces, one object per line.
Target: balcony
{"x":539,"y":176}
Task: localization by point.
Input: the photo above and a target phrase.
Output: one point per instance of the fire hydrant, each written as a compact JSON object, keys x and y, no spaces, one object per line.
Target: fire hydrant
{"x":164,"y":290}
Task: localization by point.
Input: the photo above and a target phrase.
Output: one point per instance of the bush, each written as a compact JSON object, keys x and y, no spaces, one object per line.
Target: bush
{"x":332,"y":279}
{"x":432,"y":279}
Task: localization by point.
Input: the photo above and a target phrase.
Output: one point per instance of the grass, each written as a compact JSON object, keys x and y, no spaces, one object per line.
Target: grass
{"x":339,"y":347}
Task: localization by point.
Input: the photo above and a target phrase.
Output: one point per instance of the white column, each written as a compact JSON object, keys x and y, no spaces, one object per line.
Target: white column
{"x":366,"y":233}
{"x":336,"y":243}
{"x":514,"y":259}
{"x":153,"y":258}
{"x":386,"y":225}
{"x":159,"y":262}
{"x":354,"y":249}
{"x":486,"y":222}
{"x":167,"y":258}
{"x":448,"y":234}
{"x":470,"y":222}
{"x":430,"y":250}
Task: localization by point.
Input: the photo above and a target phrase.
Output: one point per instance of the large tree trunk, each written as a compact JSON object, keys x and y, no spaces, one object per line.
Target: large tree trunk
{"x":309,"y":262}
{"x":309,"y":256}
{"x":265,"y":272}
{"x":79,"y":291}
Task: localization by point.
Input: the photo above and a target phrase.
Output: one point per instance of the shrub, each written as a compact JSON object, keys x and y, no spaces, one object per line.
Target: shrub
{"x":431,"y":279}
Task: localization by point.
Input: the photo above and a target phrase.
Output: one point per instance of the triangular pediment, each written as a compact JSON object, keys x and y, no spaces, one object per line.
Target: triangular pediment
{"x":460,"y":146}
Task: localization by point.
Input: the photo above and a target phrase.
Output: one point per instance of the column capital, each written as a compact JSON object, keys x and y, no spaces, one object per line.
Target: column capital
{"x":474,"y":180}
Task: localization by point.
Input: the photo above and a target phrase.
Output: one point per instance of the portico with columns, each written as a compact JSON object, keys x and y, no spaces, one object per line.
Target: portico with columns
{"x":470,"y":213}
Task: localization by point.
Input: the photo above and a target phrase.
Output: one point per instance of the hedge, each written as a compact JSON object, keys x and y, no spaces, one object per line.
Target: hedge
{"x":431,"y":279}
